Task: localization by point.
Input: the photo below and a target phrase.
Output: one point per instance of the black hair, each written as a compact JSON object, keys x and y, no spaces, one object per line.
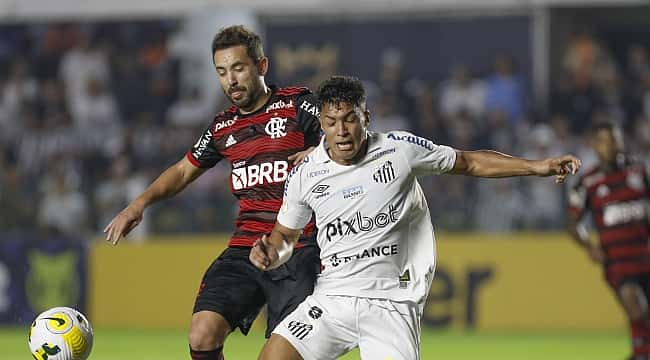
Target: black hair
{"x":341,"y":89}
{"x":239,"y":35}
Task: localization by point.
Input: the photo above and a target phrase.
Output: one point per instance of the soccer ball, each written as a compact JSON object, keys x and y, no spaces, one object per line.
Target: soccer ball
{"x":60,"y":333}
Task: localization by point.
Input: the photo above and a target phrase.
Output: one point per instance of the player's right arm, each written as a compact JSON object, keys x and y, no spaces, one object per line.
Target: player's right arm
{"x":575,"y":227}
{"x":271,"y":251}
{"x":201,"y":156}
{"x":169,"y":183}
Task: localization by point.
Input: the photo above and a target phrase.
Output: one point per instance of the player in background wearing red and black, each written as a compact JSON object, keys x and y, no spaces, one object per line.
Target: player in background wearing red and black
{"x":258,"y":136}
{"x":617,"y":194}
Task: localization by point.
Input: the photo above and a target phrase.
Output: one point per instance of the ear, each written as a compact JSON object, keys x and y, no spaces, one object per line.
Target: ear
{"x":366,"y":113}
{"x":263,"y":66}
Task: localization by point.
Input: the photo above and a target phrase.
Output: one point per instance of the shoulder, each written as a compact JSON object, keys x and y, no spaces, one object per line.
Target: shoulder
{"x":298,"y":98}
{"x":407,"y":138}
{"x":292,"y":91}
{"x":590,"y":177}
{"x":224,"y":119}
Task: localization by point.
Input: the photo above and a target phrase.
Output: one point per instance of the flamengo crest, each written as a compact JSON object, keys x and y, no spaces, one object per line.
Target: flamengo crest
{"x":276,"y":127}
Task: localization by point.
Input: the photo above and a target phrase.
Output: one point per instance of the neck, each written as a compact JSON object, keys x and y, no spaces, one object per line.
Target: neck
{"x":262,"y":97}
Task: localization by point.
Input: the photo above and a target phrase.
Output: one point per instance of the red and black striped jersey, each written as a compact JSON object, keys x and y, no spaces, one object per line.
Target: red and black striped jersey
{"x":619,"y":202}
{"x":257,"y":146}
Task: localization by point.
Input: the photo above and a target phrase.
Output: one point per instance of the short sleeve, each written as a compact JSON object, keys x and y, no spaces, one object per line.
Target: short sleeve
{"x":308,"y":118}
{"x":294,"y":213}
{"x":204,"y":153}
{"x":423,"y":155}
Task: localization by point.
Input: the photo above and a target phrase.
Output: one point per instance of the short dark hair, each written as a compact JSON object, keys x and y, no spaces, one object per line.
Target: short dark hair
{"x":239,"y":35}
{"x":341,"y":89}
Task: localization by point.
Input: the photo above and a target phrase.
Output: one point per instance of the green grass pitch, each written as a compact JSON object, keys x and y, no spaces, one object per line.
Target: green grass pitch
{"x":113,"y":344}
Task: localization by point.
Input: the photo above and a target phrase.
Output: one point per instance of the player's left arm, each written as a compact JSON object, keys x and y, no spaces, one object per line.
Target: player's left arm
{"x":307,"y":116}
{"x":493,"y":164}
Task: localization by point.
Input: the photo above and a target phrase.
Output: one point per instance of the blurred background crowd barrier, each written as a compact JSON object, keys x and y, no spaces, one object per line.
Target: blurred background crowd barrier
{"x":97,"y":98}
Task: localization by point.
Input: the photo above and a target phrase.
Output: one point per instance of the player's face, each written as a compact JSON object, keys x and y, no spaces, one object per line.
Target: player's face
{"x":345,"y":127}
{"x":607,"y":145}
{"x":242,"y":80}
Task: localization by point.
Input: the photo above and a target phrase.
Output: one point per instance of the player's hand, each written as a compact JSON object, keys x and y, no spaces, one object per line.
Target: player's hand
{"x":561,"y":167}
{"x":123,"y":223}
{"x":263,"y":254}
{"x":596,"y":253}
{"x":299,"y":156}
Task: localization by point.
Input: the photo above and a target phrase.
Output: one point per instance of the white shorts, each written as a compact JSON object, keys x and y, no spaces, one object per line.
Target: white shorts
{"x":326,"y":327}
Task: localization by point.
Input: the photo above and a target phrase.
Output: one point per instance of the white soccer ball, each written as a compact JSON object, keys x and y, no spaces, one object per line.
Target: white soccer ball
{"x":60,"y":333}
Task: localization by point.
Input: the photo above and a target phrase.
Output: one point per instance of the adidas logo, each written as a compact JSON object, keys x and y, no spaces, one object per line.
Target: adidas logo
{"x":230,"y":141}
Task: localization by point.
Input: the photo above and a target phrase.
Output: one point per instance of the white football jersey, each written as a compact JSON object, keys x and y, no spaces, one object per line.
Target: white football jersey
{"x":374,"y":227}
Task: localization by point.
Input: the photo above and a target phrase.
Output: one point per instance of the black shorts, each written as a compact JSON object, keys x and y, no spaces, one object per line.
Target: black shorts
{"x":233,"y":287}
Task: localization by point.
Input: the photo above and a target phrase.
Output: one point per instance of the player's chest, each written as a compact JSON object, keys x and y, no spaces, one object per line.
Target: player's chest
{"x":335,"y":189}
{"x":620,"y":198}
{"x":269,"y":133}
{"x":619,"y":187}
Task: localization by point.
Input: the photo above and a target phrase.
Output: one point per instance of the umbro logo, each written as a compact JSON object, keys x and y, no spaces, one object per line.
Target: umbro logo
{"x":230,"y":141}
{"x":319,"y":189}
{"x":299,"y":330}
{"x":315,"y":312}
{"x":385,"y":173}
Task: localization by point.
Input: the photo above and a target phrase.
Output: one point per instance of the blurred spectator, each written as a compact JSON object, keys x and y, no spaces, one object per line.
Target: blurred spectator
{"x":85,"y":61}
{"x":190,"y":110}
{"x":387,"y":116}
{"x":577,"y":100}
{"x":117,"y":188}
{"x":500,"y":205}
{"x":17,"y":203}
{"x":504,"y":90}
{"x":130,"y":86}
{"x":638,"y":63}
{"x":542,"y":143}
{"x":427,"y":122}
{"x":462,"y":93}
{"x":19,"y":88}
{"x":96,"y":109}
{"x":63,"y":209}
{"x":162,"y":71}
{"x":583,"y":55}
{"x":391,"y":79}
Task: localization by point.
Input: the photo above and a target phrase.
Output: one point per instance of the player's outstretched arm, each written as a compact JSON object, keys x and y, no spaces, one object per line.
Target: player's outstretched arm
{"x":168,"y":184}
{"x":271,"y":251}
{"x":493,"y":164}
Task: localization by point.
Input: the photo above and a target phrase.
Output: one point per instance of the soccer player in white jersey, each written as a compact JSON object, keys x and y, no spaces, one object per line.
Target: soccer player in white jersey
{"x":375,"y":232}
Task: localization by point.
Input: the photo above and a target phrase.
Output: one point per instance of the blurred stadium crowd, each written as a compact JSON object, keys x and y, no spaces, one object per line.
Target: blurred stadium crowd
{"x":90,"y":114}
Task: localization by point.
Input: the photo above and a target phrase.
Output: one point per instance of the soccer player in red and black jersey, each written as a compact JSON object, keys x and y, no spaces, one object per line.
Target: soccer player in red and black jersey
{"x":263,"y":135}
{"x":617,"y":194}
